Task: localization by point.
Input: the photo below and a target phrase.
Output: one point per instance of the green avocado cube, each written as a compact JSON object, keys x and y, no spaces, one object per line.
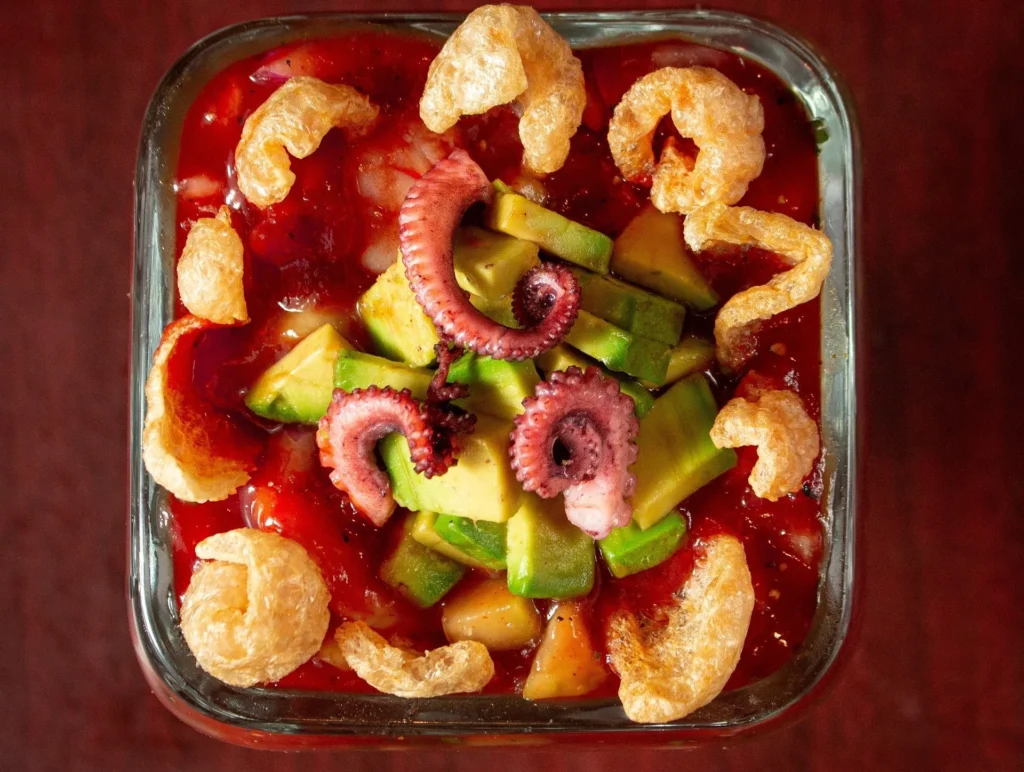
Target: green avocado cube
{"x":631,"y":308}
{"x":518,"y":216}
{"x":499,"y":310}
{"x":481,"y":541}
{"x":298,"y":387}
{"x":562,"y":357}
{"x":548,"y":557}
{"x":619,"y":349}
{"x":356,"y":370}
{"x":480,"y":486}
{"x":490,"y":264}
{"x":631,"y":549}
{"x":675,"y":453}
{"x":419,"y":573}
{"x":395,"y":321}
{"x":496,"y":386}
{"x":423,"y":532}
{"x":651,"y":252}
{"x":692,"y":355}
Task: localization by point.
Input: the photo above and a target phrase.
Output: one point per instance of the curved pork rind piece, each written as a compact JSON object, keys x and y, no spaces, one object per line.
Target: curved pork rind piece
{"x":785,"y":436}
{"x":295,"y":119}
{"x":707,"y":107}
{"x":807,"y":249}
{"x":257,"y":611}
{"x":190,"y":448}
{"x":210,"y":270}
{"x":460,"y":667}
{"x":502,"y":54}
{"x":668,"y":671}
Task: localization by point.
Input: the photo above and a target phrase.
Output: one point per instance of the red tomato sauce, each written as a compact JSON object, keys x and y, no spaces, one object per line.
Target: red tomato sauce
{"x":303,"y":255}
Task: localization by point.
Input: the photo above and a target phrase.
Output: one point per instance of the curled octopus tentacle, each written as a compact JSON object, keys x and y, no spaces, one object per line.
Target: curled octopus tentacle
{"x":354,"y":423}
{"x":547,"y":297}
{"x":440,"y":394}
{"x":596,"y":426}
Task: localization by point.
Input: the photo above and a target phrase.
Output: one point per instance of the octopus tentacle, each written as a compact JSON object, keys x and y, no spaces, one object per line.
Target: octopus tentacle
{"x":355,"y":421}
{"x":438,"y":408}
{"x":594,"y":423}
{"x":549,"y":295}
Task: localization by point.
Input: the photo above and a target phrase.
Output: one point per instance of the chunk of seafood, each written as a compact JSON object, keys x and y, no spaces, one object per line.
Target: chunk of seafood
{"x":785,"y":436}
{"x":669,"y":670}
{"x":807,"y":249}
{"x":295,"y":119}
{"x":190,"y":448}
{"x":505,"y":54}
{"x":465,"y":666}
{"x":257,"y":611}
{"x":710,"y":109}
{"x":210,"y":270}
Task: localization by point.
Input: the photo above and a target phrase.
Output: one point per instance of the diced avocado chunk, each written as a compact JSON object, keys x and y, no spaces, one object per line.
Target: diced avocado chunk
{"x":500,"y":310}
{"x":356,"y":370}
{"x":631,"y":308}
{"x":676,"y":455}
{"x":419,"y":573}
{"x":630,"y":550}
{"x":423,"y":532}
{"x":548,"y":557}
{"x":480,"y":486}
{"x":692,"y":355}
{"x":651,"y":252}
{"x":562,"y":357}
{"x":395,"y":321}
{"x":518,"y":216}
{"x":490,"y":264}
{"x":298,"y":387}
{"x":496,"y":386}
{"x":482,"y":541}
{"x":620,"y":350}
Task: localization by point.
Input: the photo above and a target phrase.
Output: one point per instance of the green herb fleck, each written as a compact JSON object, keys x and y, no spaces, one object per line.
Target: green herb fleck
{"x":820,"y":132}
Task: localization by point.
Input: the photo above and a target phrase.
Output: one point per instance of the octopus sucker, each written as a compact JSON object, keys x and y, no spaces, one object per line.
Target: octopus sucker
{"x":547,"y":298}
{"x":585,"y":414}
{"x":350,"y":430}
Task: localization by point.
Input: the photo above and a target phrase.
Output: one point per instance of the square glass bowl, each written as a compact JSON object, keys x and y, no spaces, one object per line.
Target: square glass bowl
{"x":290,"y":719}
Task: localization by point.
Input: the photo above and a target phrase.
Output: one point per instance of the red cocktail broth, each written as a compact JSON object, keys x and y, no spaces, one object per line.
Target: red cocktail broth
{"x":304,"y":255}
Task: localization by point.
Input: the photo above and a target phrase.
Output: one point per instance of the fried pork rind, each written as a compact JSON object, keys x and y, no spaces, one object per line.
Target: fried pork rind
{"x":807,"y":249}
{"x":191,"y":449}
{"x":295,"y":119}
{"x":707,"y":107}
{"x":669,"y":670}
{"x":257,"y":611}
{"x":459,"y":667}
{"x":785,"y":436}
{"x":502,"y":54}
{"x":210,"y":270}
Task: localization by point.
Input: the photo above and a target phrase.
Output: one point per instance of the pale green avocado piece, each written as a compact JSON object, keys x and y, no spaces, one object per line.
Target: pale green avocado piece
{"x":675,"y":453}
{"x":518,"y":216}
{"x":419,"y":573}
{"x":395,"y":321}
{"x":631,"y":308}
{"x":692,"y":355}
{"x":500,"y":310}
{"x":480,"y":486}
{"x":423,"y":532}
{"x":630,"y":550}
{"x":651,"y":252}
{"x":356,"y":370}
{"x":490,"y":264}
{"x":496,"y":386}
{"x":298,"y":387}
{"x":483,"y":542}
{"x":562,"y":357}
{"x":548,"y":557}
{"x":619,"y":349}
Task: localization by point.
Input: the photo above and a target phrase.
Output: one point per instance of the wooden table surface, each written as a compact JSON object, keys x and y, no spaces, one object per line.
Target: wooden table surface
{"x":933,"y":677}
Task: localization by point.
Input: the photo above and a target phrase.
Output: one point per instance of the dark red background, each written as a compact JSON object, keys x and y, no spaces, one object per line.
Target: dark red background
{"x":932,"y":679}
